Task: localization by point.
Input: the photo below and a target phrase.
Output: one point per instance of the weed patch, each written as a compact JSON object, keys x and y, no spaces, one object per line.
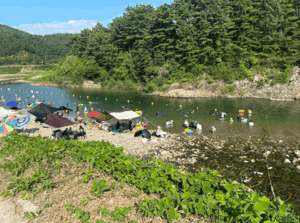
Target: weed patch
{"x":179,"y":195}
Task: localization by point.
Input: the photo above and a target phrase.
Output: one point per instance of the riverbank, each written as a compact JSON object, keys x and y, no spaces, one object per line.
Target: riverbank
{"x":258,"y":162}
{"x":73,"y":178}
{"x":258,"y":88}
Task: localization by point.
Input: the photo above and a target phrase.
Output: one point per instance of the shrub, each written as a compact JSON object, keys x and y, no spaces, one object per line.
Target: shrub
{"x":150,"y":87}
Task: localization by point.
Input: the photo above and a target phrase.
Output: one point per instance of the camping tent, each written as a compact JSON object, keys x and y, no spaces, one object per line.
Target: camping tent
{"x":125,"y":115}
{"x":42,"y":110}
{"x":103,"y":116}
{"x":58,"y":122}
{"x":4,"y":111}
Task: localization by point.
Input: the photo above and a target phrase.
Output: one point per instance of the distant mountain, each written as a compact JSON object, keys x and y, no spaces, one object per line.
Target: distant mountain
{"x":17,"y":46}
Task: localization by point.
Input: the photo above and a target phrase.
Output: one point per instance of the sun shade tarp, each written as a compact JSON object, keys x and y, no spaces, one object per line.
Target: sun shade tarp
{"x":125,"y":115}
{"x":42,"y":110}
{"x":4,"y":111}
{"x":103,"y":116}
{"x":58,"y":122}
{"x":63,"y":108}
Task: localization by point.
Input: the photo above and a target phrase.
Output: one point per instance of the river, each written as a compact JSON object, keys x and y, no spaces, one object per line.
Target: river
{"x":271,"y":118}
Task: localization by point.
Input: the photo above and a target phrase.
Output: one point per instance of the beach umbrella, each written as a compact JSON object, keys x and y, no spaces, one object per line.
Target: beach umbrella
{"x":92,"y":114}
{"x":12,"y":103}
{"x":9,"y":120}
{"x":23,"y":122}
{"x":8,"y":124}
{"x":103,"y":116}
{"x":6,"y":128}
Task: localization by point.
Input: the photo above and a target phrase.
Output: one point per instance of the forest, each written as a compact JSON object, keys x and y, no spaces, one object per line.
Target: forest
{"x":186,"y":41}
{"x":18,"y":47}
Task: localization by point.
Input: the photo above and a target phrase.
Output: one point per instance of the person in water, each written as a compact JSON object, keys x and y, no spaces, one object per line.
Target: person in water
{"x":67,"y":104}
{"x":223,"y":114}
{"x":251,"y":123}
{"x":213,"y":129}
{"x":186,"y":123}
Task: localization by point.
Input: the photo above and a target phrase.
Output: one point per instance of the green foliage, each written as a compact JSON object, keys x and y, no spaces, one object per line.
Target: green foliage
{"x":104,"y":211}
{"x":119,"y":213}
{"x":48,"y":205}
{"x":29,"y":215}
{"x":10,"y":70}
{"x":84,"y":202}
{"x":136,"y":193}
{"x":27,"y":196}
{"x":204,"y":193}
{"x":150,"y":87}
{"x":18,"y":47}
{"x":228,"y":90}
{"x":100,"y":186}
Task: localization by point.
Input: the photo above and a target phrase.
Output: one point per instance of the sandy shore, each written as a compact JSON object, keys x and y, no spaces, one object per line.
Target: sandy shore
{"x":131,"y":144}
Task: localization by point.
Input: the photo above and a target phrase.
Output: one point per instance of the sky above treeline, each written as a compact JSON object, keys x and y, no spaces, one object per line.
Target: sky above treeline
{"x":64,"y":16}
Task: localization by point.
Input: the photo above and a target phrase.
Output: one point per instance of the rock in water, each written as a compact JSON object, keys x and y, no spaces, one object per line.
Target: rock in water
{"x":297,"y":152}
{"x":287,"y":161}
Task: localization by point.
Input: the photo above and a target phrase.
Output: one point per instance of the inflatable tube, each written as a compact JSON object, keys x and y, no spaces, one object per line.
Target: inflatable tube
{"x":186,"y":130}
{"x":80,"y":104}
{"x":138,"y":127}
{"x":90,"y":102}
{"x":29,"y":106}
{"x":86,"y":112}
{"x":94,"y":125}
{"x":189,"y":132}
{"x":231,"y":120}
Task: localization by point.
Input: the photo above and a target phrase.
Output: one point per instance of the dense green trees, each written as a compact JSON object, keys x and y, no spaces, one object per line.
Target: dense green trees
{"x":20,"y":47}
{"x":181,"y":41}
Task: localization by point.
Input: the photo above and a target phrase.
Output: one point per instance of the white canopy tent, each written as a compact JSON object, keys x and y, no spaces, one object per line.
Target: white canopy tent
{"x":125,"y":115}
{"x":4,"y":111}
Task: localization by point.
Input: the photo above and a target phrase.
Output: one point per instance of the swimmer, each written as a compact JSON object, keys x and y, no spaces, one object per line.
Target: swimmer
{"x":251,"y":123}
{"x":213,"y":129}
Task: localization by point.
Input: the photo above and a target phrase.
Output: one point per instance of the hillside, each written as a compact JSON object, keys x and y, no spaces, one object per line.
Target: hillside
{"x":187,"y":41}
{"x":19,"y":47}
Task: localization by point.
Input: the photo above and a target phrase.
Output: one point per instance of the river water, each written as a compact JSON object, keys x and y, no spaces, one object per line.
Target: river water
{"x":271,"y":118}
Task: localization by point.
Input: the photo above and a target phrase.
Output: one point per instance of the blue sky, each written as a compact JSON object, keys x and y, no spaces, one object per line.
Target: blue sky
{"x":47,"y":17}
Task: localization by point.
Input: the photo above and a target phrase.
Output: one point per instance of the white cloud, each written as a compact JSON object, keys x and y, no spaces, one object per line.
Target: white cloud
{"x":72,"y":26}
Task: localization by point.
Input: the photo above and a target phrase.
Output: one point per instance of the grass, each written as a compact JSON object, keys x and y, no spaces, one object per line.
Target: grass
{"x":157,"y":190}
{"x":10,"y":70}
